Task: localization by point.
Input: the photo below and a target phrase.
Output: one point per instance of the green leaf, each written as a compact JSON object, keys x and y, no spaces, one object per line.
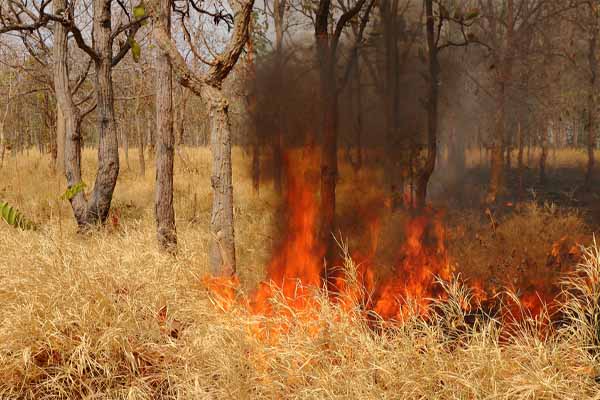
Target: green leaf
{"x":139,"y":11}
{"x":73,"y":191}
{"x":13,"y":217}
{"x":136,"y":50}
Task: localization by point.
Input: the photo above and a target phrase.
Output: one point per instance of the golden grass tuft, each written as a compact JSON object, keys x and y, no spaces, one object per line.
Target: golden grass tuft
{"x":106,"y":316}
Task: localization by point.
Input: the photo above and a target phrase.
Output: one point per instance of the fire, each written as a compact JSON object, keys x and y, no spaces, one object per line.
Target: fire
{"x":422,"y":259}
{"x":298,"y":262}
{"x":295,"y":274}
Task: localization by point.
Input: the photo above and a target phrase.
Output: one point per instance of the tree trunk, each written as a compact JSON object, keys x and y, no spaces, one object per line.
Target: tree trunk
{"x":151,"y":137}
{"x":432,"y":110}
{"x":544,"y":155}
{"x":60,"y":140}
{"x":329,"y":125}
{"x":141,"y":139}
{"x":2,"y":144}
{"x":165,"y":140}
{"x":496,"y":154}
{"x":591,"y":117}
{"x":520,"y":157}
{"x":68,"y":116}
{"x":108,"y":145}
{"x":279,"y":7}
{"x":251,"y":108}
{"x":125,"y":139}
{"x":359,"y":119}
{"x":394,"y":165}
{"x":222,"y":236}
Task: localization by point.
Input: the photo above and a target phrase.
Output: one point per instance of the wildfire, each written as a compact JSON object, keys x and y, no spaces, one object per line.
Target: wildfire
{"x":422,"y":258}
{"x":298,"y":262}
{"x":296,"y":271}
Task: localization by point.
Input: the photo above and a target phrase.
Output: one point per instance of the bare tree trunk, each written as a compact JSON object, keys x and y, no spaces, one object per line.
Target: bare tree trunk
{"x":151,"y":137}
{"x":2,"y":144}
{"x":520,"y":157}
{"x":432,"y":110}
{"x":165,"y":140}
{"x":60,"y":140}
{"x":108,"y":146}
{"x":142,"y":140}
{"x":591,"y":109}
{"x":222,"y":238}
{"x":279,"y":7}
{"x":359,"y":120}
{"x":3,"y":123}
{"x":141,"y":137}
{"x":328,"y":130}
{"x":222,"y":241}
{"x":68,"y":116}
{"x":544,"y":155}
{"x":503,"y":79}
{"x":251,"y":107}
{"x":395,"y":183}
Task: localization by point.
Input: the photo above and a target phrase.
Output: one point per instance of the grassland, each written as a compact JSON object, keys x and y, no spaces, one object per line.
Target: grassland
{"x":106,"y":316}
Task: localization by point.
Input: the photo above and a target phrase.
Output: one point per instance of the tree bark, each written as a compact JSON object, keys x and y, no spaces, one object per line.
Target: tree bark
{"x":68,"y":116}
{"x":520,"y":165}
{"x":544,"y":155}
{"x":108,"y":146}
{"x":328,"y":130}
{"x":165,"y":140}
{"x":222,"y":258}
{"x":279,"y":12}
{"x":432,"y":110}
{"x":60,"y":140}
{"x":591,"y":109}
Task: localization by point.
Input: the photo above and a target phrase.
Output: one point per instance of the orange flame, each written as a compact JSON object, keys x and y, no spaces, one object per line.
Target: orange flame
{"x":296,"y":271}
{"x":423,"y":257}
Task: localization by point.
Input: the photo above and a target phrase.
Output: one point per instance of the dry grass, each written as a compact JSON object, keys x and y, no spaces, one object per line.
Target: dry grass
{"x":80,"y":315}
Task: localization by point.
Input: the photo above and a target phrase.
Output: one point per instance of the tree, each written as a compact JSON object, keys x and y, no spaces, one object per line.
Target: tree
{"x":208,"y":86}
{"x":165,"y":140}
{"x":29,"y":17}
{"x":327,"y":52}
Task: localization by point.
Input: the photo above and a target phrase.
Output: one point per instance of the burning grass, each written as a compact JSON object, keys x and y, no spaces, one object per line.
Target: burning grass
{"x":107,"y":316}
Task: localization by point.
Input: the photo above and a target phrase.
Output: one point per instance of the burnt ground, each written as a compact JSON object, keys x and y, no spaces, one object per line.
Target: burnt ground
{"x":563,"y":187}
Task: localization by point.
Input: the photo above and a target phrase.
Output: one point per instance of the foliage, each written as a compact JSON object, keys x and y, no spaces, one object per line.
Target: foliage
{"x":14,"y":217}
{"x":73,"y":191}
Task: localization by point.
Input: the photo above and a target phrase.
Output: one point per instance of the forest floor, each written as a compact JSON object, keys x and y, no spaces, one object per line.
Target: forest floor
{"x":106,"y":315}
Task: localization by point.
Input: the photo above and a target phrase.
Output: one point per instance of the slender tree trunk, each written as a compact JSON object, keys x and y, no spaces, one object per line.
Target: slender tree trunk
{"x":125,"y":138}
{"x":141,"y":137}
{"x":151,"y":141}
{"x":520,"y":157}
{"x":432,"y":109}
{"x":394,"y":165}
{"x":329,"y":126}
{"x":2,"y":144}
{"x":279,"y":12}
{"x":544,"y":155}
{"x":591,"y":109}
{"x":504,"y":77}
{"x":359,"y":119}
{"x":251,"y":107}
{"x":68,"y":116}
{"x":222,"y":258}
{"x":165,"y":140}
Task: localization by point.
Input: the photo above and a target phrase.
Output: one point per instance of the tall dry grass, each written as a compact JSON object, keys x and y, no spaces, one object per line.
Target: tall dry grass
{"x":106,"y":316}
